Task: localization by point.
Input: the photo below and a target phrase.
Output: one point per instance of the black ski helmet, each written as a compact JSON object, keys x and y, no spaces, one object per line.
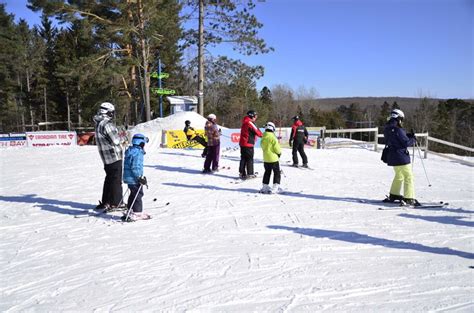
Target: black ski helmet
{"x":251,"y":113}
{"x":187,"y":122}
{"x":296,"y":118}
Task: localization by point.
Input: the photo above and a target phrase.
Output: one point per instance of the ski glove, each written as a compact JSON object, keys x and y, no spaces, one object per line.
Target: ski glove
{"x":142,"y":180}
{"x":411,"y":135}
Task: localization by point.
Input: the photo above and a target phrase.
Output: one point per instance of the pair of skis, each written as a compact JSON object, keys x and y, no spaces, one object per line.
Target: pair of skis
{"x":96,"y":213}
{"x":403,"y":205}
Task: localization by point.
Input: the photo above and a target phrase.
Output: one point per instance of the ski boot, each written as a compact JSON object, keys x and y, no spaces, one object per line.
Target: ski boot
{"x":276,"y":188}
{"x":411,"y":202}
{"x":102,"y":207}
{"x":136,"y":216}
{"x":393,"y":198}
{"x":266,"y":189}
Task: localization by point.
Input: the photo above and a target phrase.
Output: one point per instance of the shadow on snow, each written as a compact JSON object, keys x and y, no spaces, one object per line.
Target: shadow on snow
{"x":186,"y":170}
{"x":211,"y":187}
{"x":52,"y":205}
{"x":453,"y":220}
{"x":354,"y":237}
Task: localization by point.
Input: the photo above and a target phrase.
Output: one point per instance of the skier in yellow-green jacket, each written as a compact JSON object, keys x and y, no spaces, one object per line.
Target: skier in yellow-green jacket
{"x":271,"y":159}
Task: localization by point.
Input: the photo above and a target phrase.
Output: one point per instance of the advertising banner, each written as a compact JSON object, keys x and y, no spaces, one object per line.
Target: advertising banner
{"x":51,"y":138}
{"x":230,"y":138}
{"x":12,"y":140}
{"x":176,"y":139}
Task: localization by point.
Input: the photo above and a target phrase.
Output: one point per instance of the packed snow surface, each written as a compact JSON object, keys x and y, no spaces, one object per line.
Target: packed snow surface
{"x":220,"y":246}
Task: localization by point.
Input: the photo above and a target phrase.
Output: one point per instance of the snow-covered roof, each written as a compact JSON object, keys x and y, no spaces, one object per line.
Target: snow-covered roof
{"x":182,"y":100}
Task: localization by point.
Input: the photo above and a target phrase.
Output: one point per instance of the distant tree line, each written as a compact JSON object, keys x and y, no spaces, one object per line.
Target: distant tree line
{"x":106,"y":51}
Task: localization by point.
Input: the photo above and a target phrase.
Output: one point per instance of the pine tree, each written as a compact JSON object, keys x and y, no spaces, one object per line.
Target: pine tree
{"x":453,"y":122}
{"x":8,"y":96}
{"x":129,"y":35}
{"x":230,"y":22}
{"x":266,"y":102}
{"x":384,"y":113}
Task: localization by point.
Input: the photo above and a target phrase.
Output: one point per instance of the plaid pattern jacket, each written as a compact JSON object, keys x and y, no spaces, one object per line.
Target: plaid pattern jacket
{"x":212,"y":134}
{"x":108,"y":139}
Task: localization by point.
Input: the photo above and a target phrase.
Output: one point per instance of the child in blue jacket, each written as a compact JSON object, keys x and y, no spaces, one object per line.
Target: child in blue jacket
{"x":133,"y":176}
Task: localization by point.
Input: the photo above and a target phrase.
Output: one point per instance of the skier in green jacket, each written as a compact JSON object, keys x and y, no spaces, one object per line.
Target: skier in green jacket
{"x":271,"y":156}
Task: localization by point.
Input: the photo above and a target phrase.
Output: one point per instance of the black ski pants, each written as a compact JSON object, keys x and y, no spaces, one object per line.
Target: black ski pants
{"x":269,"y":168}
{"x":212,"y":158}
{"x":134,"y":192}
{"x":246,"y":161}
{"x":299,"y":147}
{"x":202,"y":142}
{"x":112,"y":191}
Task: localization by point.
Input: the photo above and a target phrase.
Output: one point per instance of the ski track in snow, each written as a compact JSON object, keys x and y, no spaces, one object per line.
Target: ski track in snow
{"x":223,"y":247}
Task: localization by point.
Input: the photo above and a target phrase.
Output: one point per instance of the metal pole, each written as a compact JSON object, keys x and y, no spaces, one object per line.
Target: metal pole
{"x":68,"y":112}
{"x":423,"y":163}
{"x":133,"y":202}
{"x":159,"y":86}
{"x":201,"y":58}
{"x":45,"y":108}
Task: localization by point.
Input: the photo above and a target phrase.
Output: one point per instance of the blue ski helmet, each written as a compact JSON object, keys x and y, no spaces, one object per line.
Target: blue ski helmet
{"x":139,"y":139}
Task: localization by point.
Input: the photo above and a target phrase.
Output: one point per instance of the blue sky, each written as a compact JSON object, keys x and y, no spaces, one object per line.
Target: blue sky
{"x":346,"y":48}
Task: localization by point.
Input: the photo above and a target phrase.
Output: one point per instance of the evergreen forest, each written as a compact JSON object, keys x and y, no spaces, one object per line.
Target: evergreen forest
{"x":55,"y":75}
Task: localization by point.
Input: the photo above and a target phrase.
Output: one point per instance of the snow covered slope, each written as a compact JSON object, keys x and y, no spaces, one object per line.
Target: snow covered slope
{"x":220,"y":246}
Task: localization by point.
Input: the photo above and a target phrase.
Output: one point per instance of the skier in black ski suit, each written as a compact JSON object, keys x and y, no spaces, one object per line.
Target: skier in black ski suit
{"x":191,"y":134}
{"x":298,"y":138}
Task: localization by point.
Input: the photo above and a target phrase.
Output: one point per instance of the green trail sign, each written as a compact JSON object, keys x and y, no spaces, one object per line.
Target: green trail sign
{"x":160,"y":76}
{"x":163,"y":91}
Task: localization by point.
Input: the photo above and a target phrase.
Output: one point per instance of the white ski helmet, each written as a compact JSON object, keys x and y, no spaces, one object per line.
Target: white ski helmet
{"x":397,"y":114}
{"x":211,"y":117}
{"x":270,"y":126}
{"x":107,"y":108}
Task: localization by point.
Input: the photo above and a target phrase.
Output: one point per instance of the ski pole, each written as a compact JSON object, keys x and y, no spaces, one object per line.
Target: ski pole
{"x":123,"y":197}
{"x":422,"y":163}
{"x":131,"y":206}
{"x":413,"y":154}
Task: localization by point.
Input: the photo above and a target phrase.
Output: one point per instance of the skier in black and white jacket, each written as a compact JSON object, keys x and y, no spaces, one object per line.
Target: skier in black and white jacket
{"x":109,"y":144}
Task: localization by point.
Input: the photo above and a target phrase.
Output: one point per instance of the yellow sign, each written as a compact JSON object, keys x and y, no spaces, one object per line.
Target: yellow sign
{"x":176,"y":139}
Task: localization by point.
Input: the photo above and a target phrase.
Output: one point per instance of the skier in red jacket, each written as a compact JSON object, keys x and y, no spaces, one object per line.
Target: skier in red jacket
{"x":248,"y":132}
